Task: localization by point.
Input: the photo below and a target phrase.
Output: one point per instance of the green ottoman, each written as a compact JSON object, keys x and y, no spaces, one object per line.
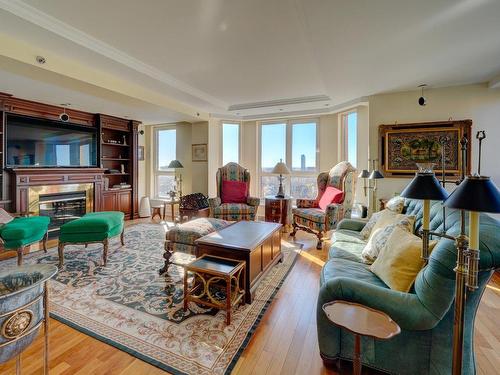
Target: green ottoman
{"x":94,"y":227}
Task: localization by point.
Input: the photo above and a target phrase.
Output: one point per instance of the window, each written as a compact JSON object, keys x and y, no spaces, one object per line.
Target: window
{"x":62,"y":155}
{"x":165,"y":152}
{"x":350,"y":132}
{"x":295,"y":142}
{"x":230,"y":143}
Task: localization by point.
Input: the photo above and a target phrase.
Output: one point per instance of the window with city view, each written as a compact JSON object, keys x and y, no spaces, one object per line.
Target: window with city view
{"x":165,"y":153}
{"x":294,"y":142}
{"x":350,"y":130}
{"x":230,"y":143}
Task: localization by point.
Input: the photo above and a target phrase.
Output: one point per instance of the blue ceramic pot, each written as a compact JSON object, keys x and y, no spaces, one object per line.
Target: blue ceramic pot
{"x":21,"y":306}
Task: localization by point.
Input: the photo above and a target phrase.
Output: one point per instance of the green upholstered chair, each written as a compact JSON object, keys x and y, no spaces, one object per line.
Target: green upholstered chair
{"x":425,"y":314}
{"x":24,"y":231}
{"x":94,"y":227}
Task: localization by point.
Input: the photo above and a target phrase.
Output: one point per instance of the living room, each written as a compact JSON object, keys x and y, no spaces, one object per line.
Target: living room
{"x":249,"y":187}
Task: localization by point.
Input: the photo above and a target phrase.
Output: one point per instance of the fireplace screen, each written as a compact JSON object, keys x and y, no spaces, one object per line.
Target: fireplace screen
{"x":62,"y":207}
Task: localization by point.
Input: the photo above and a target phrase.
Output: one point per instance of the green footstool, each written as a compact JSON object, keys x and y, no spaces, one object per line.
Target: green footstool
{"x":94,"y":227}
{"x":22,"y":232}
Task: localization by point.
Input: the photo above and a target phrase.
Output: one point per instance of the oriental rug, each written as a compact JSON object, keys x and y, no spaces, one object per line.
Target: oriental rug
{"x":128,"y":305}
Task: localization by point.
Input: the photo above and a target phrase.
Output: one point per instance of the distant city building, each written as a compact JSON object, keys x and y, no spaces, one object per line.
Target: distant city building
{"x":302,"y":162}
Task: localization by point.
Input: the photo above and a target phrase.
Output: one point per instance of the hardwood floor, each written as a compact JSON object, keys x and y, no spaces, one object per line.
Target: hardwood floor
{"x":283,"y":343}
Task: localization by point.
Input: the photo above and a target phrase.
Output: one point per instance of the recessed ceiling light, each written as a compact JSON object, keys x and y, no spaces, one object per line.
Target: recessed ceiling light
{"x":237,"y":113}
{"x":281,"y":109}
{"x":327,"y":104}
{"x":41,"y":60}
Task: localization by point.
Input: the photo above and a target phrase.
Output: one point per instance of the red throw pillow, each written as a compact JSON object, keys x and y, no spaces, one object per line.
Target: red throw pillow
{"x":331,"y":195}
{"x":234,"y":192}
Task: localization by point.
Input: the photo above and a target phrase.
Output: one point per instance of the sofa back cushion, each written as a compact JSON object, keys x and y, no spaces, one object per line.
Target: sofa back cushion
{"x":331,"y":195}
{"x":234,"y":192}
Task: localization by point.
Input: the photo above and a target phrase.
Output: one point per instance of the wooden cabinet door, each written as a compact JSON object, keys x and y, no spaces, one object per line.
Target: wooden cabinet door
{"x":124,"y":202}
{"x":108,"y":202}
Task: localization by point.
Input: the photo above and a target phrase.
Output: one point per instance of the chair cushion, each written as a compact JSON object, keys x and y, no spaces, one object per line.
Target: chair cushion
{"x":346,"y":250}
{"x":25,"y":227}
{"x":234,"y":192}
{"x":233,"y":208}
{"x":312,"y":214}
{"x":189,"y":232}
{"x":94,"y":222}
{"x":331,"y":195}
{"x":344,"y":268}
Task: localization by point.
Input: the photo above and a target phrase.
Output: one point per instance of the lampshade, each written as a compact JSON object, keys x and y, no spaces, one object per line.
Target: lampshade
{"x":375,"y":175}
{"x":174,"y":164}
{"x":425,"y":186}
{"x":281,"y":168}
{"x":475,"y":193}
{"x":364,"y":174}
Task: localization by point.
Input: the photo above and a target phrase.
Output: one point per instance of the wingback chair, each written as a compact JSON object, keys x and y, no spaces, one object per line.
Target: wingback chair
{"x":308,"y":216}
{"x":233,"y":211}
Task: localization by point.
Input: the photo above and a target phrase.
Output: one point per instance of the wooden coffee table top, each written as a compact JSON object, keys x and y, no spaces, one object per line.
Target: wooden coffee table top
{"x":361,"y":320}
{"x":243,"y":235}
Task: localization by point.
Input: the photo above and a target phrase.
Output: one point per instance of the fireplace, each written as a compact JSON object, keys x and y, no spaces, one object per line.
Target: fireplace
{"x":62,"y":203}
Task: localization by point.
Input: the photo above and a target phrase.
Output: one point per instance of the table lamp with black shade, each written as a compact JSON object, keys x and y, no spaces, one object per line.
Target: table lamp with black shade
{"x":176,"y":164}
{"x":281,"y":169}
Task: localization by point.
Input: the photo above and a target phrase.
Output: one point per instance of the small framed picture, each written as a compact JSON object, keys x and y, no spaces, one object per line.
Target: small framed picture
{"x":140,"y":153}
{"x":200,"y":152}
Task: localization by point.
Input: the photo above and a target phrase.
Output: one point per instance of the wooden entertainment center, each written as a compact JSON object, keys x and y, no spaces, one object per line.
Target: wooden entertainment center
{"x":117,"y":145}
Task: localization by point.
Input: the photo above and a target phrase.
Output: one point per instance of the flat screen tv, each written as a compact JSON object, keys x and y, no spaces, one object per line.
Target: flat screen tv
{"x":43,"y":143}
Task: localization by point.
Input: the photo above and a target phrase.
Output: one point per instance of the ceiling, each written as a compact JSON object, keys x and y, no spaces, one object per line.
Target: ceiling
{"x":258,"y":57}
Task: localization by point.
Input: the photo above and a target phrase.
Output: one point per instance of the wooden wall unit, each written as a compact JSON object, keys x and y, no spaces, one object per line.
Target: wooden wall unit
{"x":109,"y":156}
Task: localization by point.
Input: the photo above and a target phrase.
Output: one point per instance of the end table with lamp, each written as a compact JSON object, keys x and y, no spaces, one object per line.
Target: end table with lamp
{"x":176,"y":164}
{"x":281,"y":169}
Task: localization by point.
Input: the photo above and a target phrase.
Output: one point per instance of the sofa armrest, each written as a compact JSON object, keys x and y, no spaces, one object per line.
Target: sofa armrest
{"x":253,"y":201}
{"x":214,"y":202}
{"x":307,"y":203}
{"x":404,"y":308}
{"x":351,"y":224}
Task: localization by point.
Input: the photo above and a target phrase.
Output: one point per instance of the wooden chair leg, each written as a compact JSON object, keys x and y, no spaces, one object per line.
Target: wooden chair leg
{"x":60,"y":251}
{"x":319,"y":245}
{"x":122,"y":236}
{"x":294,"y":230}
{"x":44,"y":243}
{"x":20,"y":255}
{"x":105,"y":251}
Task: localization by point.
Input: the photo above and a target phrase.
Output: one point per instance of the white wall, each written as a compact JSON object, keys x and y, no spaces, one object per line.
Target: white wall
{"x":476,"y":102}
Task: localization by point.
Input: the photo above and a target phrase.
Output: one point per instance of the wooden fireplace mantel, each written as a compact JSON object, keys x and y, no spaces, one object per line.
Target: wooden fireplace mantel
{"x":26,"y":177}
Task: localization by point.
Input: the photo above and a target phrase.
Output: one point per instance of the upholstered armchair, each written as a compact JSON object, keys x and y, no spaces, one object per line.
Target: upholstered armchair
{"x":245,"y":209}
{"x":308,"y":216}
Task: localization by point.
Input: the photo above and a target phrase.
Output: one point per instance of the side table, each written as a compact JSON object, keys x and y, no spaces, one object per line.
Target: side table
{"x":217,"y":282}
{"x":279,"y":210}
{"x":361,"y":320}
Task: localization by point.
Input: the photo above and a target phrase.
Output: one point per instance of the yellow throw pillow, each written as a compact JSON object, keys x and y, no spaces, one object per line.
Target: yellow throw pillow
{"x":400,"y":260}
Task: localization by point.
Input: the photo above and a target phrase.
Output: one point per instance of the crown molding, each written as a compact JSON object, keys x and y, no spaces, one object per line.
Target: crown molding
{"x":279,"y":102}
{"x":54,"y":25}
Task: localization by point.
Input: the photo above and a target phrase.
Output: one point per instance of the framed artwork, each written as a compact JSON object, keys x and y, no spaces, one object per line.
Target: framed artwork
{"x":140,"y":153}
{"x":402,"y":146}
{"x":199,"y":152}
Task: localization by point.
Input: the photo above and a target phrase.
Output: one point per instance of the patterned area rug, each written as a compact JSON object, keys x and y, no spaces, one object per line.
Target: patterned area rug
{"x":128,"y":305}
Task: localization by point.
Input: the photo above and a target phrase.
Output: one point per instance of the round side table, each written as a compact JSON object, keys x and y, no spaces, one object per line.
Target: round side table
{"x":361,"y":320}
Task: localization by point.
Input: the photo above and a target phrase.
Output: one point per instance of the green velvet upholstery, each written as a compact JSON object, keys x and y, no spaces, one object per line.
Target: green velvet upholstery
{"x":425,"y":314}
{"x":23,"y":231}
{"x":90,"y":228}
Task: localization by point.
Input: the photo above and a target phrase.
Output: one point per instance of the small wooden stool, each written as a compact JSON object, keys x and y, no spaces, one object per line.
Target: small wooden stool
{"x":216,"y":283}
{"x":361,"y":320}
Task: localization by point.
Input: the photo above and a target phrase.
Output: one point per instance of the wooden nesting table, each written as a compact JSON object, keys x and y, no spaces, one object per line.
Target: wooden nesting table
{"x":257,"y":243}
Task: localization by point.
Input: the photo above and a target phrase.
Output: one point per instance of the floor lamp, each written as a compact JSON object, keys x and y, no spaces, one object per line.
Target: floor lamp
{"x":475,"y":194}
{"x":176,"y":164}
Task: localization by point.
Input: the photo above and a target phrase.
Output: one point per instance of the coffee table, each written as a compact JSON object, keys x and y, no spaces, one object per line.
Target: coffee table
{"x":257,"y":243}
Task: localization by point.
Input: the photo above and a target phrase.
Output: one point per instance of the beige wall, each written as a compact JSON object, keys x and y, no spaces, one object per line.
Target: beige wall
{"x":199,"y":134}
{"x":476,"y":102}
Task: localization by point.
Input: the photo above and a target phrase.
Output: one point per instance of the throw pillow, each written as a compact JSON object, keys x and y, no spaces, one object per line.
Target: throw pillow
{"x":396,"y":204}
{"x":400,"y":260}
{"x":331,"y":195}
{"x":5,"y":217}
{"x":379,"y":238}
{"x":367,"y":229}
{"x":234,"y":192}
{"x":386,"y":218}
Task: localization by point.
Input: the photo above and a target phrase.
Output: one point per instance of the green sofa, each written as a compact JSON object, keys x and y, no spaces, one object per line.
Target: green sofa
{"x":24,"y":231}
{"x":425,"y":314}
